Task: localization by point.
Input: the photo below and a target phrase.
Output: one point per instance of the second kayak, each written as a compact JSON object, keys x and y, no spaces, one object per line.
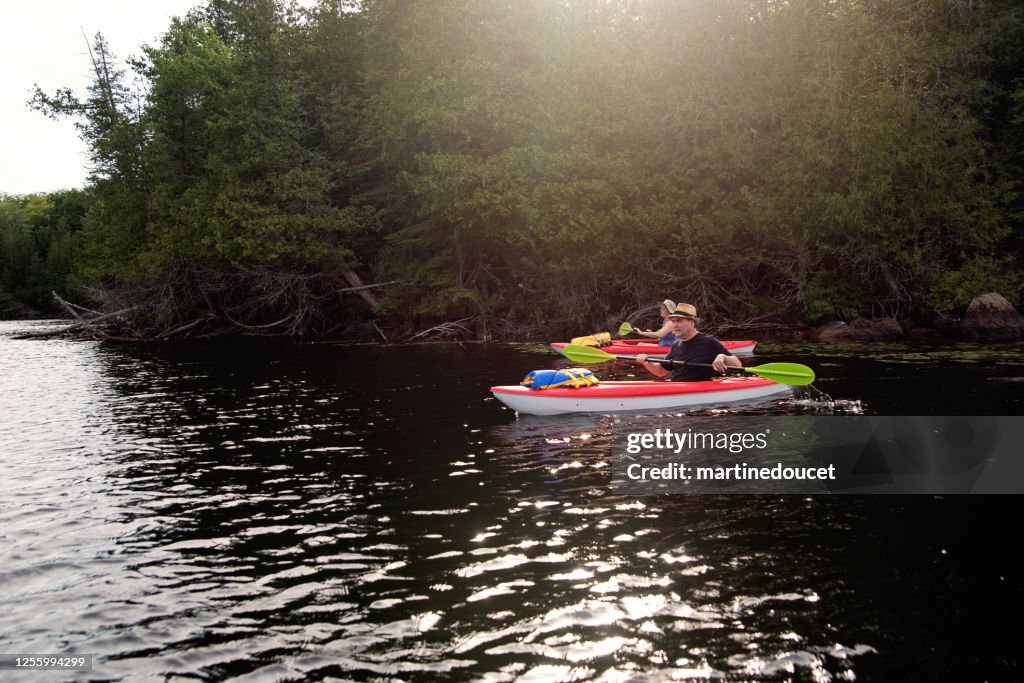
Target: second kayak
{"x":634,"y":346}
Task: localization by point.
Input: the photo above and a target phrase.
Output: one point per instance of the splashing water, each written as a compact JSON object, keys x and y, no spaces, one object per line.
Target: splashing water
{"x":816,"y":401}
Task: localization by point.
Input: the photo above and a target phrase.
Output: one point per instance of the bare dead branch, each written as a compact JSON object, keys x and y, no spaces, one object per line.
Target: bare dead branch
{"x":376,"y":284}
{"x":446,"y":329}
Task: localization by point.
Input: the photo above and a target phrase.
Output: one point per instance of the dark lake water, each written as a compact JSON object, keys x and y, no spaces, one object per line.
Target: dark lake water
{"x":260,"y":510}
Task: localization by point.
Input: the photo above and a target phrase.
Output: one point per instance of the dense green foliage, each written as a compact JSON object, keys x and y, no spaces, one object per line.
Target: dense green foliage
{"x":551,"y":162}
{"x":39,"y":236}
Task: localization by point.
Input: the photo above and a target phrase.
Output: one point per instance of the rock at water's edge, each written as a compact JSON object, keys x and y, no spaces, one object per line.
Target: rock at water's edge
{"x":860,"y":330}
{"x":991,"y":317}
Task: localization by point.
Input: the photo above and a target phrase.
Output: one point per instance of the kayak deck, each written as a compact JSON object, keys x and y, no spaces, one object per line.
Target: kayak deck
{"x":616,"y":396}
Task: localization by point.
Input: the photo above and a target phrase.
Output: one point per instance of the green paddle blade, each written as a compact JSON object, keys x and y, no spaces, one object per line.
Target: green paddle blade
{"x":793,"y":374}
{"x":624,"y":329}
{"x":578,"y":353}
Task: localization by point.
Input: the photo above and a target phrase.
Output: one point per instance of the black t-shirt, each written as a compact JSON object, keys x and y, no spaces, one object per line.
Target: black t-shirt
{"x":701,"y":348}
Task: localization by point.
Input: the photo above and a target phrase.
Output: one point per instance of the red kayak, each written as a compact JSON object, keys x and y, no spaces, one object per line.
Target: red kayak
{"x":609,"y":397}
{"x":634,"y":346}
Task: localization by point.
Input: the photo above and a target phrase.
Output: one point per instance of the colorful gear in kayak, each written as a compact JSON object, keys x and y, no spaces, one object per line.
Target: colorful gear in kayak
{"x":551,"y":379}
{"x":596,"y":339}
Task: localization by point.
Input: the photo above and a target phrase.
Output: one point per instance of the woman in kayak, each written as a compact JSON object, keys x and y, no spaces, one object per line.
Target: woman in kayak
{"x":692,"y":347}
{"x":664,"y":334}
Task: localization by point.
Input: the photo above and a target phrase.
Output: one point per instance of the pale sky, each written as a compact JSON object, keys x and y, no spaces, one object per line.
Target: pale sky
{"x":41,"y":41}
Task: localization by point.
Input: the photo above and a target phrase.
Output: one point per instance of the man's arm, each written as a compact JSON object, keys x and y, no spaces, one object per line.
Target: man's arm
{"x":655,"y":368}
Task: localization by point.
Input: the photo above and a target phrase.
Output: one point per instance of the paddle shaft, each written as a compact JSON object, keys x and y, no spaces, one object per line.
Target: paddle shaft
{"x":787,"y":373}
{"x":685,"y":363}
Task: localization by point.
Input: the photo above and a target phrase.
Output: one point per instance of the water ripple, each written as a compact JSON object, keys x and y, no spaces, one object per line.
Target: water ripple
{"x":279,"y":514}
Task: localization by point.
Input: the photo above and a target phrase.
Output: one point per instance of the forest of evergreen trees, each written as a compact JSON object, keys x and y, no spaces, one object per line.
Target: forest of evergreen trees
{"x":538,"y":165}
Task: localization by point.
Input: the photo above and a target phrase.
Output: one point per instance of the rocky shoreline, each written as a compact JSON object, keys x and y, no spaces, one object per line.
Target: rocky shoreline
{"x":989,"y":317}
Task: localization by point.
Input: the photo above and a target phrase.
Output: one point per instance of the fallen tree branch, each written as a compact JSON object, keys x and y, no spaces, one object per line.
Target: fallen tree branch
{"x":445,"y":329}
{"x":183,"y":328}
{"x":83,"y":324}
{"x":244,"y":326}
{"x":76,"y":306}
{"x":358,"y":286}
{"x":376,"y":284}
{"x":50,"y":333}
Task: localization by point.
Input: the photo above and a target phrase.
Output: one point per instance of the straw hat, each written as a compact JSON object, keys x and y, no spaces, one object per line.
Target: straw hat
{"x":684,"y":311}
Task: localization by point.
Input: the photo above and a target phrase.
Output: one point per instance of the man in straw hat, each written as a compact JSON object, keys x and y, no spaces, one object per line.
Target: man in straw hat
{"x":693,"y":347}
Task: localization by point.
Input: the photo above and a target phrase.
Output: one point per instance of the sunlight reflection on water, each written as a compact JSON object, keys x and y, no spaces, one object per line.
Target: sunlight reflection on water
{"x":284,"y":514}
